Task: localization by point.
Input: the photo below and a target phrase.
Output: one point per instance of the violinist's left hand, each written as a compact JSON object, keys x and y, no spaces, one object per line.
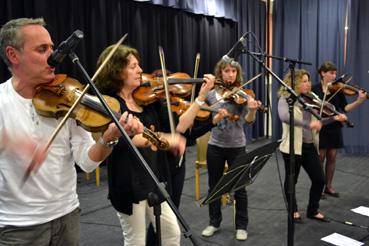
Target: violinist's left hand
{"x":130,"y":124}
{"x":252,"y":104}
{"x":206,"y":86}
{"x":362,"y":96}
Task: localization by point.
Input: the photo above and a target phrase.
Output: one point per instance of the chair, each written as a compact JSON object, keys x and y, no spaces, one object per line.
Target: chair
{"x":202,"y":146}
{"x":97,"y":176}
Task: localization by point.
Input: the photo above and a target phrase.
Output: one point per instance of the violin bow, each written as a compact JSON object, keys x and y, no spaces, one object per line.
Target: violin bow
{"x":236,"y":89}
{"x":195,"y":73}
{"x":166,"y":89}
{"x":344,"y":81}
{"x":34,"y":165}
{"x":167,"y":96}
{"x":325,"y":97}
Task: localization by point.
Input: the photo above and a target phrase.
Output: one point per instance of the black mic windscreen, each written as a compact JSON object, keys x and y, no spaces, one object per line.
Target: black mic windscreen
{"x":236,"y":50}
{"x":65,"y":48}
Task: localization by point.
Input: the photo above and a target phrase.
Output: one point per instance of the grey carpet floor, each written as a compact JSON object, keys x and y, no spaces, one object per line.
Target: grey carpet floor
{"x":267,"y":210}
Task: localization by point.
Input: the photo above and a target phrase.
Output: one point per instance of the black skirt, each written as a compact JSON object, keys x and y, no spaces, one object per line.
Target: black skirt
{"x":330,"y":137}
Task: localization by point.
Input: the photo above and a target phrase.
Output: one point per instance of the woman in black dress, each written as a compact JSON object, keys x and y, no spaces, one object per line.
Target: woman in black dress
{"x":331,"y":135}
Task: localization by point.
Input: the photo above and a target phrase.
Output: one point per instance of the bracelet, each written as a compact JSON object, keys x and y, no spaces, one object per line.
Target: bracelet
{"x":200,"y":103}
{"x":108,"y":144}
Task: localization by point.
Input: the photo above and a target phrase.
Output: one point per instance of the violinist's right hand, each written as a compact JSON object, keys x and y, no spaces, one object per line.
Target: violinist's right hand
{"x":177,"y":143}
{"x":222,"y":113}
{"x":27,"y":148}
{"x":340,"y":117}
{"x":316,"y":125}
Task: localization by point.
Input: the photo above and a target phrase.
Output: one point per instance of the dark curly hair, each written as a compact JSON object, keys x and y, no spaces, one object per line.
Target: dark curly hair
{"x":110,"y":80}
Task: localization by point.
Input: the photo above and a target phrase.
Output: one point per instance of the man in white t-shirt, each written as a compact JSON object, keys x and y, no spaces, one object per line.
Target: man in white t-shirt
{"x":45,"y":209}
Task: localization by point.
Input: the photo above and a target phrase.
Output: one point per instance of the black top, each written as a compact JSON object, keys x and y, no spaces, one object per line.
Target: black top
{"x":330,"y":136}
{"x":128,"y":180}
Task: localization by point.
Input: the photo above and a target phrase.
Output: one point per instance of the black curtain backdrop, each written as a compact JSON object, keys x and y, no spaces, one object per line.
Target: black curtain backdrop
{"x":311,"y":31}
{"x":180,"y":33}
{"x":357,"y":139}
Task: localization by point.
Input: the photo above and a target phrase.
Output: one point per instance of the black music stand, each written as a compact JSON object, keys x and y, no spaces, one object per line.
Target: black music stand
{"x":243,"y":172}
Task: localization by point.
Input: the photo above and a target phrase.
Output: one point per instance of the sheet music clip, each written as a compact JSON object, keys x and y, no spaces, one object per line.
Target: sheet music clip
{"x":243,"y":172}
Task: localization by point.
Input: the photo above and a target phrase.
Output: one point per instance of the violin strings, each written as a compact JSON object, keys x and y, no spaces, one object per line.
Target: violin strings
{"x":90,"y":102}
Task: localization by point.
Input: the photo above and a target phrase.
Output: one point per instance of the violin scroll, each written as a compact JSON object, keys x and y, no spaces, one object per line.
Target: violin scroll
{"x":154,"y":138}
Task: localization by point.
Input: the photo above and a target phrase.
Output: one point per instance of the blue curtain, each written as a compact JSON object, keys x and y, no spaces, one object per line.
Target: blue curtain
{"x":252,"y":16}
{"x":311,"y":31}
{"x":216,"y":8}
{"x":357,"y":138}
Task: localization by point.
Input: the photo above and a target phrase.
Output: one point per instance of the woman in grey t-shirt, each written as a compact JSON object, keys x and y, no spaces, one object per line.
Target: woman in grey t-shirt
{"x":227,"y":142}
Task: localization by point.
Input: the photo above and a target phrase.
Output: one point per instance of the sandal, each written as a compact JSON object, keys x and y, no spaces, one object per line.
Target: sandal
{"x":318,"y":218}
{"x":297,"y":217}
{"x":331,"y":192}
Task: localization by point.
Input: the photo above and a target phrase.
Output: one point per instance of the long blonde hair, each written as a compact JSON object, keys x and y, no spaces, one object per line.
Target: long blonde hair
{"x":299,"y":73}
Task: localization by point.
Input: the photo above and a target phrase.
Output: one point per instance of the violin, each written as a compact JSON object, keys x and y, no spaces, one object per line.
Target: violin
{"x":241,"y":95}
{"x":348,"y":90}
{"x":179,"y":106}
{"x":54,"y":100}
{"x":152,"y":88}
{"x":328,"y":109}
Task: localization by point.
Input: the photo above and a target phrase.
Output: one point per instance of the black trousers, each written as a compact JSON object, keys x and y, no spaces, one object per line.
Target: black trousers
{"x":309,"y":160}
{"x":216,"y":158}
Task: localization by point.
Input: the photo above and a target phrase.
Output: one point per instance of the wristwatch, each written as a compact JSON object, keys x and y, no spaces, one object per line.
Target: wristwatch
{"x":109,"y":144}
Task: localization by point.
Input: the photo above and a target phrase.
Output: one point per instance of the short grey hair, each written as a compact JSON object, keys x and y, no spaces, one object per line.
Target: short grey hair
{"x":10,"y":35}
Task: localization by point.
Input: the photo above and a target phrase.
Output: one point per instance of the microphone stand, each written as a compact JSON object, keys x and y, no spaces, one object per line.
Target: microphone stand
{"x":187,"y":231}
{"x":291,"y":101}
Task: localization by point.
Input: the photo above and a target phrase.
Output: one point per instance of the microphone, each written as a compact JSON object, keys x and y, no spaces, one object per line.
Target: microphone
{"x":65,"y":48}
{"x":236,"y":50}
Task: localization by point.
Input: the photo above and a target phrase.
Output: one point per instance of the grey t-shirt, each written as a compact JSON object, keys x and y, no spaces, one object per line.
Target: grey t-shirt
{"x":227,"y":133}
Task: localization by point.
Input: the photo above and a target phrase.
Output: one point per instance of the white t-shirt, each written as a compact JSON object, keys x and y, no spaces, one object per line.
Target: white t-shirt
{"x":50,"y":192}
